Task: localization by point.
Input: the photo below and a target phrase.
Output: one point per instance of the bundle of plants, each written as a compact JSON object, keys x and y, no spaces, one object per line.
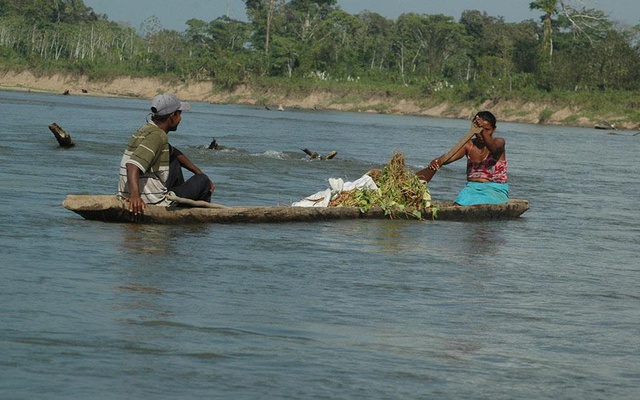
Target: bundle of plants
{"x":399,"y":191}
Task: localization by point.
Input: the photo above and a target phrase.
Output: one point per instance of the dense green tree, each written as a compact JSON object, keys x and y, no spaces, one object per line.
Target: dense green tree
{"x":550,"y":9}
{"x":264,"y":15}
{"x":376,"y":45}
{"x":570,"y":48}
{"x":217,"y":49}
{"x":426,"y":44}
{"x":337,"y":50}
{"x":49,"y":11}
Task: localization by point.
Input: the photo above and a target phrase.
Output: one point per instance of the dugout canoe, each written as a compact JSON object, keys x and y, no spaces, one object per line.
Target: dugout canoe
{"x":108,"y":208}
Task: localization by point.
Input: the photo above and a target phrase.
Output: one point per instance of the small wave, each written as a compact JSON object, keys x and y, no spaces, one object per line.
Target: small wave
{"x":271,"y":154}
{"x":218,"y":150}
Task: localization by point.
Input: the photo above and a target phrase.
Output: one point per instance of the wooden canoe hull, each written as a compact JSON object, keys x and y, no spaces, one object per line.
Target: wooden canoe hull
{"x":108,"y":208}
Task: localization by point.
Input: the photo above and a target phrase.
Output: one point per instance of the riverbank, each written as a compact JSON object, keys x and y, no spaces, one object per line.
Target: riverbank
{"x":508,"y":111}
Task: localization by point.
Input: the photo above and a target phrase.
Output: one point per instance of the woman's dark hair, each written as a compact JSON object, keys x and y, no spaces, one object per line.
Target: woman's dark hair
{"x":487,"y":116}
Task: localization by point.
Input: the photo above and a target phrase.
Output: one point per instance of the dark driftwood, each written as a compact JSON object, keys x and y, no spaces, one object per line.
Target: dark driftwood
{"x":63,"y":138}
{"x":214,"y":144}
{"x":311,"y":154}
{"x":330,"y":155}
{"x":606,"y":125}
{"x":314,"y":155}
{"x":108,"y":208}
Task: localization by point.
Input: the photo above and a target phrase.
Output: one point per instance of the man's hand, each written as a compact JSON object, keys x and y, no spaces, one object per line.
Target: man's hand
{"x":136,"y":205}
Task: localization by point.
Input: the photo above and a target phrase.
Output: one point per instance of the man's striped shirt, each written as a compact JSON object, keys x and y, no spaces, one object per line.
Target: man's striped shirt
{"x":148,"y":150}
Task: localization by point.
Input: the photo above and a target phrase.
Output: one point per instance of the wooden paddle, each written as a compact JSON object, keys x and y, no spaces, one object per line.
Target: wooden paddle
{"x":427,"y":173}
{"x":193,"y":203}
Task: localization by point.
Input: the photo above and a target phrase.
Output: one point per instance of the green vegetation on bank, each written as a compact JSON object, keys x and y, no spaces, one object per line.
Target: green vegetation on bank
{"x":572,"y":57}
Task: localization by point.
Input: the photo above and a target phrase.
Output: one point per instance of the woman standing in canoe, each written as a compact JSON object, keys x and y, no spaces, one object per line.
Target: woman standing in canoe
{"x":486,"y":165}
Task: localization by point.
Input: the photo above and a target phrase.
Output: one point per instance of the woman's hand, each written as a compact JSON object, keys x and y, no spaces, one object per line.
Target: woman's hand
{"x":435,"y":164}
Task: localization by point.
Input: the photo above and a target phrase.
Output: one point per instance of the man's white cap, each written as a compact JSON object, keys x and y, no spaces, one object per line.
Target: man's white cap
{"x":167,"y":103}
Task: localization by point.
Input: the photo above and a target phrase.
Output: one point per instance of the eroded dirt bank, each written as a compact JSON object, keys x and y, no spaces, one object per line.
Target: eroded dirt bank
{"x":507,"y":111}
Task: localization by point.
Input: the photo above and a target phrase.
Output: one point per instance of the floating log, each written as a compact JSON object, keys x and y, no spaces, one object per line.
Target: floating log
{"x":606,"y":125}
{"x":63,"y":138}
{"x":311,"y":154}
{"x":314,"y":155}
{"x":109,"y":208}
{"x":214,"y":145}
{"x":331,"y":155}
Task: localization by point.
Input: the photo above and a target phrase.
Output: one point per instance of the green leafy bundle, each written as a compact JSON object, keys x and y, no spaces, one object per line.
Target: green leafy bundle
{"x":399,"y":191}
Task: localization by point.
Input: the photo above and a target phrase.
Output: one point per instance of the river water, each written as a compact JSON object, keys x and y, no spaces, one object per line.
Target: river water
{"x":545,"y":306}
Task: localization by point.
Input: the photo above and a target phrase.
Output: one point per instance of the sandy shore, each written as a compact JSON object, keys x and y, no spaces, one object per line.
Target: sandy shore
{"x":206,"y":92}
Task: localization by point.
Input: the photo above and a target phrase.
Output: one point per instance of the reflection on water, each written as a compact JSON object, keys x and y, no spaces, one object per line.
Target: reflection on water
{"x":483,"y":241}
{"x":158,"y":240}
{"x":147,"y":239}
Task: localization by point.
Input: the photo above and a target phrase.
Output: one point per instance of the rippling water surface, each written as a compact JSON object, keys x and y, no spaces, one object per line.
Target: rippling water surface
{"x":546,"y":306}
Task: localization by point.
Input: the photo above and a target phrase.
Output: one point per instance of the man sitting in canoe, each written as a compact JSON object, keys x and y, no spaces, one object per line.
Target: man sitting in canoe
{"x":151,"y":168}
{"x":486,"y":165}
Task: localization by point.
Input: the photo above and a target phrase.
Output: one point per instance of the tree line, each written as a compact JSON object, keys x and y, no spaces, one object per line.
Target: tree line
{"x":569,"y":48}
